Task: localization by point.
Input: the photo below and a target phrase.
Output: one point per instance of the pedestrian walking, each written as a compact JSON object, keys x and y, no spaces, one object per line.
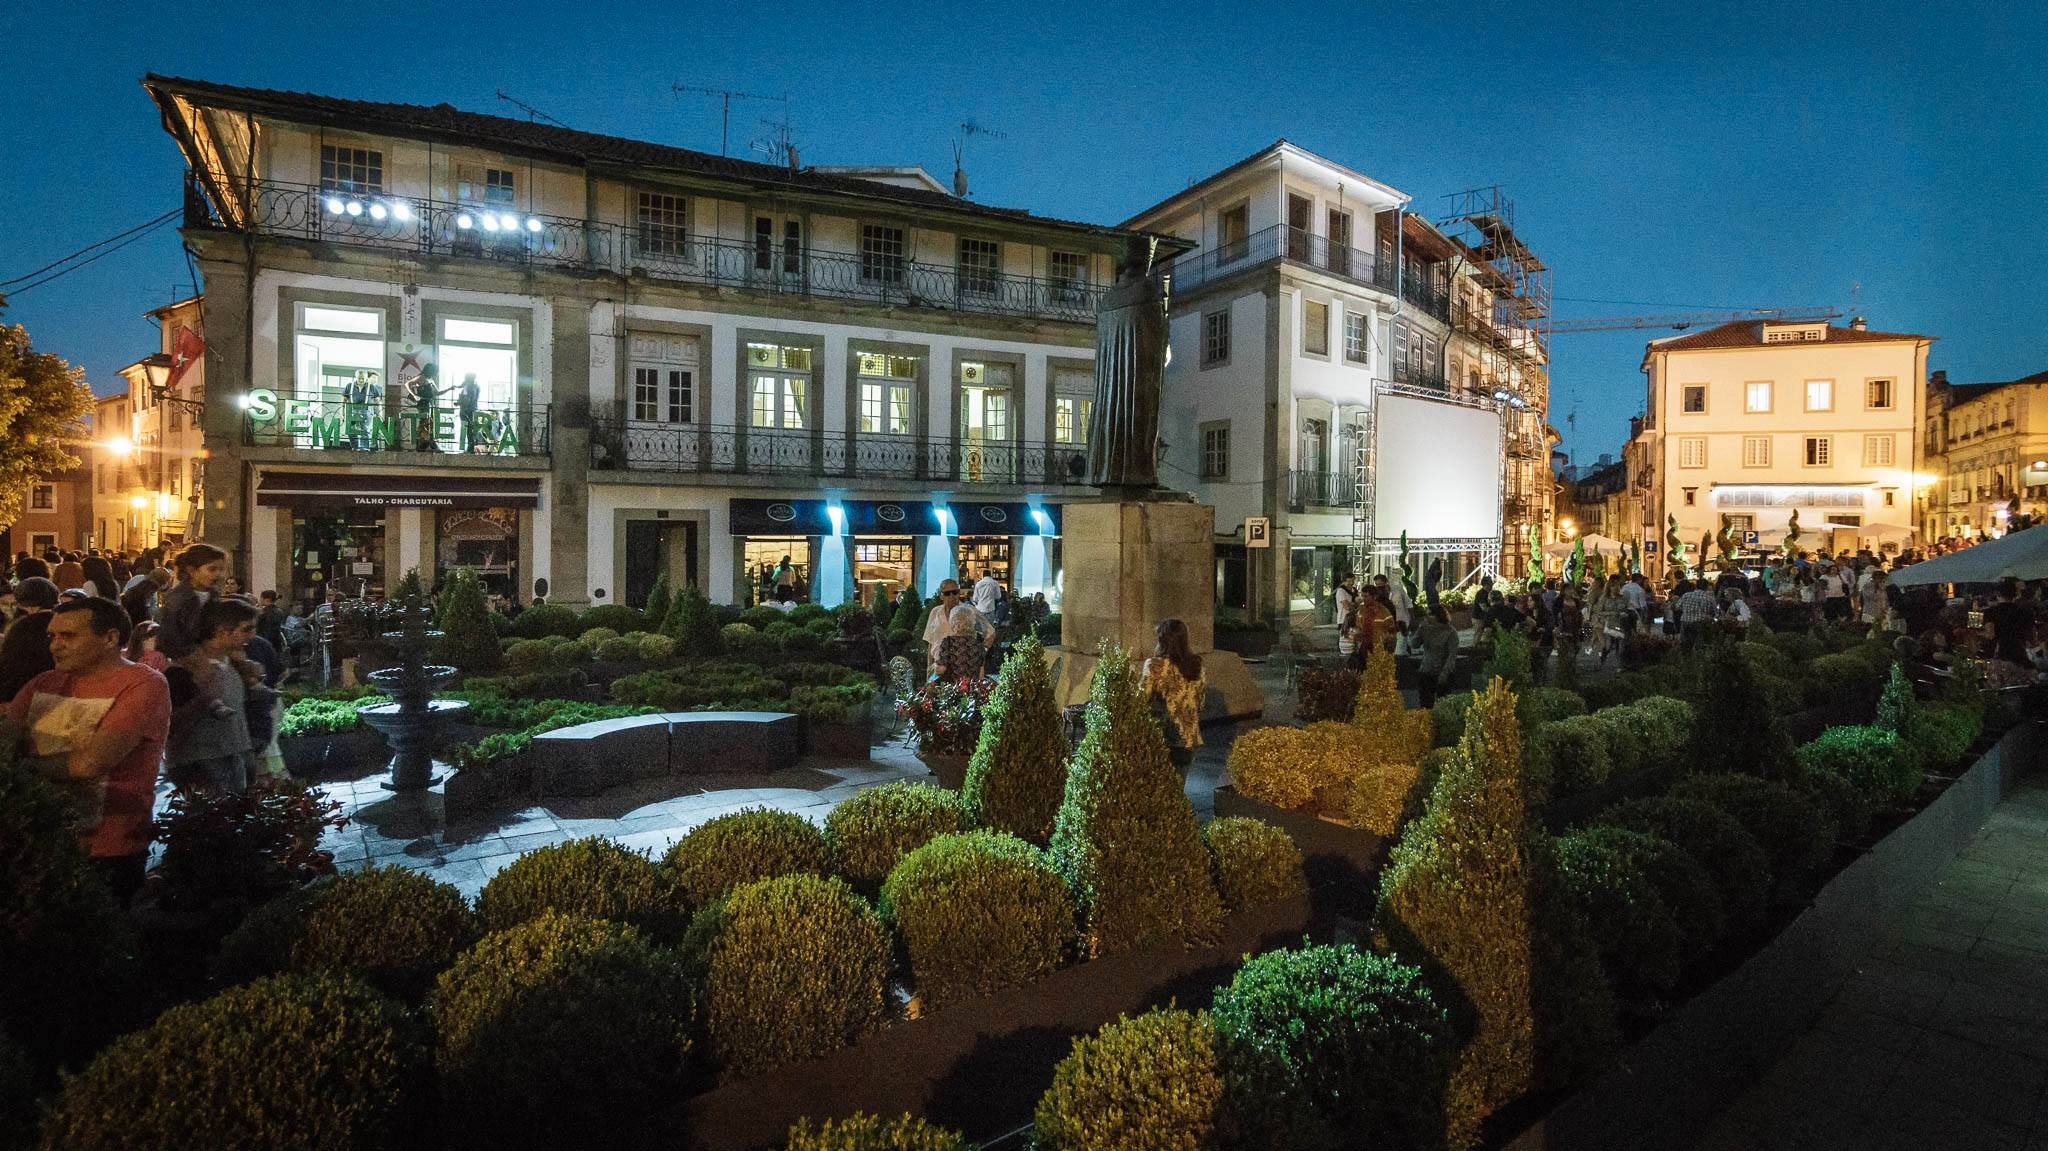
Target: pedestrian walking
{"x":1174,"y":686}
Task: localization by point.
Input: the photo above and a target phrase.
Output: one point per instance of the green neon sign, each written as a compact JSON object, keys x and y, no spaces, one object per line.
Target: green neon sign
{"x":373,"y":427}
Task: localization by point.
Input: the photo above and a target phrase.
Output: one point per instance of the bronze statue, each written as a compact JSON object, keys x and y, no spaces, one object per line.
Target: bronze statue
{"x":1130,"y":370}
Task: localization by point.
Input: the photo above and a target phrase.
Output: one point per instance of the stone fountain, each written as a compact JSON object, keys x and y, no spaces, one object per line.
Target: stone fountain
{"x":412,"y":720}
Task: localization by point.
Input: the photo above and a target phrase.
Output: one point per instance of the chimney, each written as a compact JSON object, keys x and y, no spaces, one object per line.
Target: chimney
{"x":1858,"y":324}
{"x":1940,"y":378}
{"x":1635,"y":426}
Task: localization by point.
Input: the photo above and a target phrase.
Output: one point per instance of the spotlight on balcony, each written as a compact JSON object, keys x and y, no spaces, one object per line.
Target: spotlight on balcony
{"x":377,"y":212}
{"x":399,"y":211}
{"x":533,"y":223}
{"x":1500,"y":395}
{"x":490,"y":221}
{"x":334,"y":205}
{"x":1517,"y":402}
{"x":463,"y":221}
{"x":354,"y":208}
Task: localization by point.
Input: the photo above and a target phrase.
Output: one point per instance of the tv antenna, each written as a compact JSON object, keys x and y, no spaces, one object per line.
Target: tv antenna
{"x":968,"y":130}
{"x":778,"y":143}
{"x":727,"y":96}
{"x":532,"y":113}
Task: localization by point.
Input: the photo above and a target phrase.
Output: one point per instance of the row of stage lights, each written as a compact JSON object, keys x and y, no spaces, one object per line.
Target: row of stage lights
{"x":398,"y":210}
{"x":1503,"y":396}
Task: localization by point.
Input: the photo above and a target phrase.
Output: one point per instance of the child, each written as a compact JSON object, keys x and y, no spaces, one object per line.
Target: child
{"x":199,"y":568}
{"x":210,"y":745}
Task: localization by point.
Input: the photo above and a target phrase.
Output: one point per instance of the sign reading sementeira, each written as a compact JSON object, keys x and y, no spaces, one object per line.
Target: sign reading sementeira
{"x":374,"y":427}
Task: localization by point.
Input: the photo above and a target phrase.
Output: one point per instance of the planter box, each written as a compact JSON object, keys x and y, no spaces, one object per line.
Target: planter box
{"x":839,"y":740}
{"x":1332,"y":853}
{"x":950,"y":769}
{"x":351,"y":753}
{"x":978,"y":1066}
{"x":1673,"y":1083}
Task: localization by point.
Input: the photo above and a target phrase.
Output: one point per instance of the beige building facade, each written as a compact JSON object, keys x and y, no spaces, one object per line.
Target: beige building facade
{"x":1988,"y":443}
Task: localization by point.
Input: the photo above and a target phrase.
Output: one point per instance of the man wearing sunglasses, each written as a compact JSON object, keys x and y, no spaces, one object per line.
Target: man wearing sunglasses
{"x":935,"y":624}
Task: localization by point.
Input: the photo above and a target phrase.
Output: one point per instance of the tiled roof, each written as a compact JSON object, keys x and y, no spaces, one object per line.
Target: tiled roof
{"x":1749,"y":334}
{"x":447,"y":123}
{"x":1964,"y":393}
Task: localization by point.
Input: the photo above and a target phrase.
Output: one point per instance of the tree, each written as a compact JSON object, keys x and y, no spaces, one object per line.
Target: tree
{"x":1018,"y":773}
{"x":468,"y":641}
{"x":43,"y":402}
{"x":658,"y":600}
{"x":693,"y":624}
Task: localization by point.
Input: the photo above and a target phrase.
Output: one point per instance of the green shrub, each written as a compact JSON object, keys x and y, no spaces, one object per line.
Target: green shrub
{"x":865,"y":1132}
{"x":743,"y":846}
{"x":291,"y":1061}
{"x":1571,"y":755}
{"x":1740,"y":869}
{"x":761,"y":617}
{"x":1541,"y":705}
{"x":1154,"y":1083}
{"x":563,"y":1031}
{"x":1944,"y":734}
{"x":1685,"y":887}
{"x":1623,"y":910}
{"x":1870,"y":758}
{"x":468,"y":641}
{"x":1017,"y":774}
{"x":697,"y":685}
{"x":1254,"y":862}
{"x":312,"y":717}
{"x":1846,"y":679}
{"x":526,"y":656}
{"x":1897,"y":710}
{"x":1447,"y":718}
{"x":1471,"y":893}
{"x":872,"y":830}
{"x":658,"y":599}
{"x":1738,"y":727}
{"x":544,"y":619}
{"x":392,"y":927}
{"x":1332,"y":1046}
{"x":1125,"y":837}
{"x":906,"y":622}
{"x":615,"y":617}
{"x":1509,"y":660}
{"x":978,"y":913}
{"x":1846,"y":805}
{"x":652,"y":646}
{"x":619,"y":649}
{"x":568,"y":654}
{"x":596,"y":637}
{"x":592,"y":877}
{"x":793,"y":968}
{"x":17,"y":1094}
{"x":1793,"y":828}
{"x":693,"y":624}
{"x":808,"y":613}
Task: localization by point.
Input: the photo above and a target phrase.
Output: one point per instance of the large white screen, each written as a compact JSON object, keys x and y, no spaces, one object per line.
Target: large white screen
{"x":1436,"y":470}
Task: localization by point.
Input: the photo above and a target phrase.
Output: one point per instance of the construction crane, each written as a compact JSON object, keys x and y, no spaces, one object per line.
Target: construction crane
{"x":728,"y":95}
{"x":1680,"y":321}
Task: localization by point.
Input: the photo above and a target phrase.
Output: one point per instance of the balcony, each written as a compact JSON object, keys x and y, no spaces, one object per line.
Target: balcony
{"x":1419,"y":377}
{"x":324,"y":422}
{"x":1316,"y":491}
{"x":1427,"y":296}
{"x":620,"y":443}
{"x":438,"y":229}
{"x":1281,"y":242}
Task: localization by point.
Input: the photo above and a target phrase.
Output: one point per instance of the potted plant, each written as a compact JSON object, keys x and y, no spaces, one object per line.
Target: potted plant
{"x":945,"y":724}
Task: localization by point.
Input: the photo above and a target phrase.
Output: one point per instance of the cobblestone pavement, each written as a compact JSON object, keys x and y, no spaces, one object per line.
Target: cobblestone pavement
{"x":1940,"y":1040}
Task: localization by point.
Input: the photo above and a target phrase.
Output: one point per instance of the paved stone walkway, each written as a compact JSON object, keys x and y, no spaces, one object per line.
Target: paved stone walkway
{"x":1940,"y":1040}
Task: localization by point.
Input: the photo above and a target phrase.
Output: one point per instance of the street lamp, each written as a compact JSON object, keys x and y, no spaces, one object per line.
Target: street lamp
{"x":157,"y":370}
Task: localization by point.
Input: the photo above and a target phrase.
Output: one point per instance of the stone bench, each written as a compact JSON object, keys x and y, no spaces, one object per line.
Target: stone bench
{"x":722,"y":741}
{"x":591,"y":757}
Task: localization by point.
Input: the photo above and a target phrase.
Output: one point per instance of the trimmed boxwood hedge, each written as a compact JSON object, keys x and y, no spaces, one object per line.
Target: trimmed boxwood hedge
{"x":978,"y":913}
{"x":563,"y":1031}
{"x":864,"y":1132}
{"x":792,"y":968}
{"x":1254,"y":862}
{"x":392,"y":927}
{"x":1017,"y":774}
{"x":1622,"y":909}
{"x":1793,"y":828}
{"x":1571,"y":755}
{"x":298,"y":1061}
{"x":1154,"y":1083}
{"x":1716,"y":840}
{"x":873,"y":829}
{"x":1686,"y":888}
{"x":592,"y":877}
{"x":1869,"y":757}
{"x":743,"y":846}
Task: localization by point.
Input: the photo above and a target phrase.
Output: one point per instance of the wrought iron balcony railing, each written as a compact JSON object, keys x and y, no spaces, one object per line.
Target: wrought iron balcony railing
{"x":1307,"y":490}
{"x":1281,"y":242}
{"x":1423,"y":294}
{"x":618,"y":442}
{"x":1420,"y":377}
{"x":500,"y":233}
{"x":329,"y":421}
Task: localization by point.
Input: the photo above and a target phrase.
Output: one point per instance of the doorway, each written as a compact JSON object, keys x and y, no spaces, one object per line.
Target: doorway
{"x":1298,"y":209}
{"x":987,"y":407}
{"x":652,"y":551}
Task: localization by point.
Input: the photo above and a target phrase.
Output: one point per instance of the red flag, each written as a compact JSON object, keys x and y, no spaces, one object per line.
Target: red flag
{"x":186,"y":347}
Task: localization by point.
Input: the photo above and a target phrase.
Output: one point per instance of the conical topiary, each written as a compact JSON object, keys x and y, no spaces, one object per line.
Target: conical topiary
{"x":1388,"y":731}
{"x":1018,"y":774}
{"x":467,"y":639}
{"x":692,"y":623}
{"x":907,"y":621}
{"x":1125,"y":838}
{"x":657,"y":602}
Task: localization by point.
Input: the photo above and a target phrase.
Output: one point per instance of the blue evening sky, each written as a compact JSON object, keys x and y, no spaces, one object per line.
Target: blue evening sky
{"x":1661,"y":155}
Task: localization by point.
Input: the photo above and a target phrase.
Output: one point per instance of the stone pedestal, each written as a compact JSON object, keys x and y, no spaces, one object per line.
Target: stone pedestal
{"x":1128,"y":564}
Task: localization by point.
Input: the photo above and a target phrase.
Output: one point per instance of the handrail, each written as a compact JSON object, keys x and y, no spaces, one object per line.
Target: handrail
{"x":326,"y":420}
{"x":1282,"y":242}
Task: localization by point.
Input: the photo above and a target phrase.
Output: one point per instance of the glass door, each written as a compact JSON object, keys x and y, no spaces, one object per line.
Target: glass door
{"x":987,"y":394}
{"x":778,"y":408}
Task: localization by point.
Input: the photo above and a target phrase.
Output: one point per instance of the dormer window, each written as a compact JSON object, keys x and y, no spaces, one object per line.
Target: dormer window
{"x":1794,"y":333}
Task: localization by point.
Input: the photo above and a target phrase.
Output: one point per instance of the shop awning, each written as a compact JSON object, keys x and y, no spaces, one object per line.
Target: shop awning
{"x":357,"y":490}
{"x":891,"y":518}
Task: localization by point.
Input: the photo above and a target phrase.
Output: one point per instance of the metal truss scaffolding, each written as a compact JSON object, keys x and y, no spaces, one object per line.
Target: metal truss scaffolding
{"x":1371,"y":552}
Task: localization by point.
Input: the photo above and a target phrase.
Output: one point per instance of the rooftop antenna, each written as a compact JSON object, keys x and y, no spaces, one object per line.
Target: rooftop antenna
{"x":968,"y":129}
{"x":532,"y":113}
{"x":778,"y":143}
{"x":728,"y":95}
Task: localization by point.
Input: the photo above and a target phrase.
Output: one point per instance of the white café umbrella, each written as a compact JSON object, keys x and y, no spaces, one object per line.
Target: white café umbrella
{"x":1596,"y":544}
{"x":2022,"y":555}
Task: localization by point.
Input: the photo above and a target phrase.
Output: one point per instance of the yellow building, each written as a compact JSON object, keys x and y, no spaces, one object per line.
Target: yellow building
{"x":150,"y":446}
{"x":1988,"y":443}
{"x":1750,"y":422}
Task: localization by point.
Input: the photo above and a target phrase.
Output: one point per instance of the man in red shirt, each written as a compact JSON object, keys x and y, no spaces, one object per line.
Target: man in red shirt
{"x":105,"y":719}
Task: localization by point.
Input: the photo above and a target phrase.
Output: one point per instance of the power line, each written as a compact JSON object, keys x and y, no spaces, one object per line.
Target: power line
{"x":1653,"y":304}
{"x":90,"y":247}
{"x":60,"y":273}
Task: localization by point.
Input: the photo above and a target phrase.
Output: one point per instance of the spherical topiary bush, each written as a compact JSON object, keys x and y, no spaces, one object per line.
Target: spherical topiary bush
{"x":562,"y":1031}
{"x":872,"y":830}
{"x":1868,"y":757}
{"x":526,"y":656}
{"x":1254,"y":862}
{"x":593,"y":877}
{"x":294,"y":1061}
{"x":262,"y":943}
{"x":1622,"y":909}
{"x":1846,"y":805}
{"x":1447,"y":717}
{"x":978,"y":913}
{"x":544,"y":620}
{"x":1154,"y":1083}
{"x":1793,"y":828}
{"x":743,"y":846}
{"x":618,"y":649}
{"x":1570,"y":755}
{"x":1685,"y":888}
{"x":652,"y":646}
{"x":871,"y":1133}
{"x":615,"y":617}
{"x":1540,"y":705}
{"x":1333,"y":1040}
{"x":792,"y":968}
{"x":392,"y":927}
{"x":1740,"y":869}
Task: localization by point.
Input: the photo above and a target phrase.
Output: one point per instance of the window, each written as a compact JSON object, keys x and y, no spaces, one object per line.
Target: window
{"x":498,"y":186}
{"x":485,"y":351}
{"x":1820,"y":395}
{"x":1315,"y":328}
{"x":1877,"y":451}
{"x":333,"y":345}
{"x":1756,"y":396}
{"x":1756,"y":451}
{"x":1069,"y":276}
{"x":1890,"y":496}
{"x":980,"y":262}
{"x":176,"y":473}
{"x":1692,"y":452}
{"x":1216,"y":451}
{"x":663,"y":221}
{"x":664,"y":378}
{"x":486,"y":185}
{"x":1356,"y":337}
{"x":1215,"y":338}
{"x":346,"y":169}
{"x":1691,"y":496}
{"x":1693,"y":399}
{"x":1820,"y":451}
{"x":1233,"y":230}
{"x":888,"y":387}
{"x":1073,"y":403}
{"x":100,"y":478}
{"x":42,"y":498}
{"x":881,"y":254}
{"x":778,"y":386}
{"x":1877,"y":394}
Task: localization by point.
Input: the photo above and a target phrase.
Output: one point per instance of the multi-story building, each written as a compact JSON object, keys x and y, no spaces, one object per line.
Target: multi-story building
{"x":1308,"y":286}
{"x":56,"y":512}
{"x":1749,"y":422}
{"x":1987,"y":455}
{"x":439,"y":338}
{"x":150,"y":447}
{"x":1594,"y":488}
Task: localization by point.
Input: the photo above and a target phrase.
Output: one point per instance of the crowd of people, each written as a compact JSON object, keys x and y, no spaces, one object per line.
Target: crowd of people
{"x":121,"y":669}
